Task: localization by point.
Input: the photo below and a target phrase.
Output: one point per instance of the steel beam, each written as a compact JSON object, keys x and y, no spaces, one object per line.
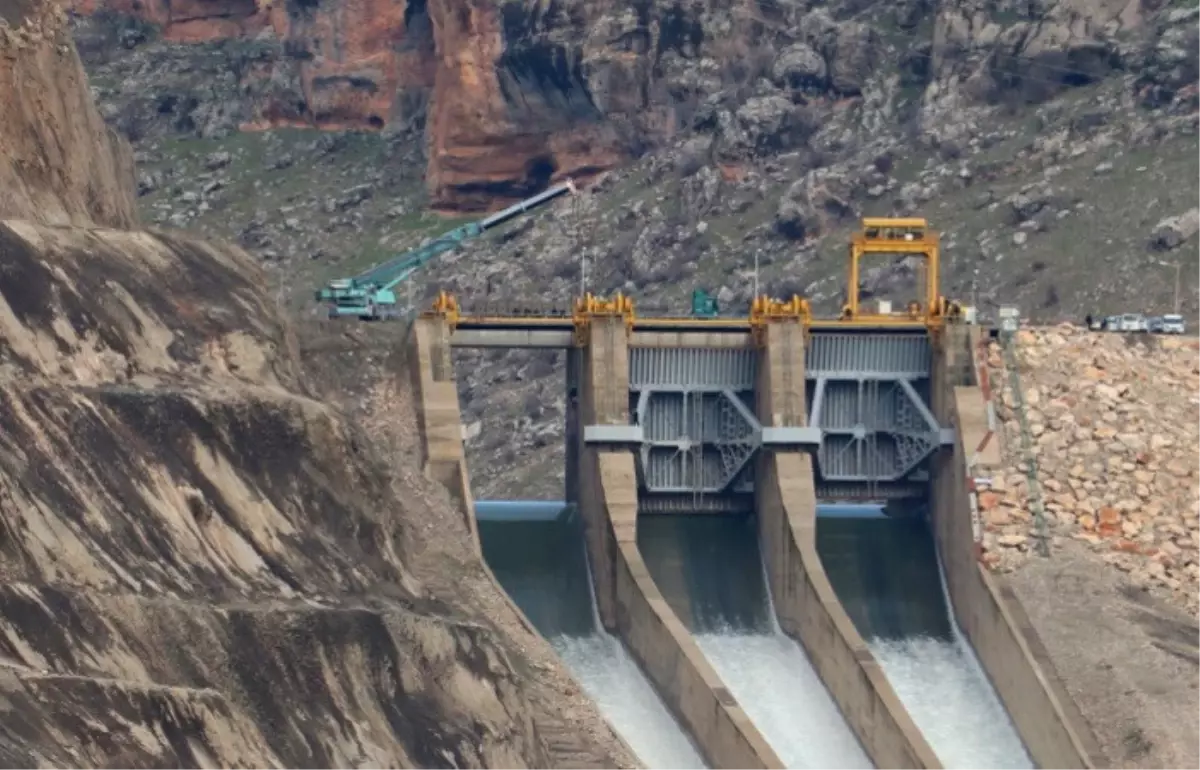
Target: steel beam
{"x":511,"y":338}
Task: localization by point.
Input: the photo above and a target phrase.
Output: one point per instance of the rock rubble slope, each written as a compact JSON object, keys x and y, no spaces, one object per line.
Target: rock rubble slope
{"x":1113,"y":423}
{"x":201,"y":563}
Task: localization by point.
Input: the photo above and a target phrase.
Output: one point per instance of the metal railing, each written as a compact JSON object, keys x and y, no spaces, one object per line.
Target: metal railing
{"x":1008,"y":346}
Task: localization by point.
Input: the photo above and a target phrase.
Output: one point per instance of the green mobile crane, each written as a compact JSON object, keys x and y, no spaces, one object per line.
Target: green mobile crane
{"x":371,"y":295}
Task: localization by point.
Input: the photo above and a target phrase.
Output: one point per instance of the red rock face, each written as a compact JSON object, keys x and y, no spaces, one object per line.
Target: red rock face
{"x":481,"y":145}
{"x":188,"y":21}
{"x":364,"y":63}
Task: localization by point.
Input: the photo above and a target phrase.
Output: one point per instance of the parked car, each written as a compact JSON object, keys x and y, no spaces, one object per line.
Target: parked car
{"x":1171,"y":323}
{"x":1132,"y":322}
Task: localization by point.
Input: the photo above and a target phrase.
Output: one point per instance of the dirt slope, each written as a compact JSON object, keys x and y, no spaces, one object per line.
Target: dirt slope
{"x":202,"y":564}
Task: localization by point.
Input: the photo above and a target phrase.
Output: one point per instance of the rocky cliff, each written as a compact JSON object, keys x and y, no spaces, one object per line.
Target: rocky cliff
{"x":512,"y":93}
{"x":203,"y":563}
{"x":61,"y":164}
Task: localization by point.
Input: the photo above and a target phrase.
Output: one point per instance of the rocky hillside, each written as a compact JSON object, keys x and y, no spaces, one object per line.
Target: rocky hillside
{"x":1053,"y":144}
{"x":202,"y":562}
{"x":511,"y":92}
{"x":61,"y":164}
{"x":1112,"y":424}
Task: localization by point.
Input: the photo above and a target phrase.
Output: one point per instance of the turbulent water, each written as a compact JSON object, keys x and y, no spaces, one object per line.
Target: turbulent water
{"x":710,"y":571}
{"x":886,"y":573}
{"x":774,"y":682}
{"x":605,"y":670}
{"x":542,"y":566}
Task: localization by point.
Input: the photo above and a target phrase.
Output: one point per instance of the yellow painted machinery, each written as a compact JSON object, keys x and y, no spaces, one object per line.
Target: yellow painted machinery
{"x":878,"y":236}
{"x":891,"y":236}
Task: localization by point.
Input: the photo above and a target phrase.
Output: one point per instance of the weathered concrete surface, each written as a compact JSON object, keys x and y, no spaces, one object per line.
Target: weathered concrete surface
{"x":985,"y":608}
{"x":630,"y":603}
{"x":805,"y":602}
{"x":432,"y":371}
{"x":439,"y":427}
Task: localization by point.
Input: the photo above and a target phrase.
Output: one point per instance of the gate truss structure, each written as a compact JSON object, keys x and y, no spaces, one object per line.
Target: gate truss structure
{"x":868,"y":395}
{"x":698,"y":430}
{"x":695,"y":433}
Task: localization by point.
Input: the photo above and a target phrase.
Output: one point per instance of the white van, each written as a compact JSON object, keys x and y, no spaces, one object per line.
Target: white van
{"x":1171,"y":324}
{"x":1133,"y":322}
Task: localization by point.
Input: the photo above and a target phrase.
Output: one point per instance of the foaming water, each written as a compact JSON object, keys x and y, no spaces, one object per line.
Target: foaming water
{"x":609,"y":675}
{"x":710,"y":571}
{"x":951,"y":701}
{"x":542,"y":565}
{"x":887,"y":575}
{"x":773,"y":681}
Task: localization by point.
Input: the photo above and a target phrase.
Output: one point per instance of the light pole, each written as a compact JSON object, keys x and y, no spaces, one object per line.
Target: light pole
{"x":1178,"y":265}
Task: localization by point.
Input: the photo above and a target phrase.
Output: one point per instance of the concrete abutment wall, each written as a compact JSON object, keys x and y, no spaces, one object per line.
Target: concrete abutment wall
{"x":439,"y":418}
{"x":984,"y":607}
{"x":805,"y":602}
{"x":630,"y":603}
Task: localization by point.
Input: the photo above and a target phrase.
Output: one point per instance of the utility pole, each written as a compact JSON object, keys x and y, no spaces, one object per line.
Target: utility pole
{"x":756,"y":273}
{"x":1178,"y":267}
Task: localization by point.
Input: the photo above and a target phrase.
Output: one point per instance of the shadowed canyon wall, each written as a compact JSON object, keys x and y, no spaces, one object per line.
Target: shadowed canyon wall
{"x":202,"y":562}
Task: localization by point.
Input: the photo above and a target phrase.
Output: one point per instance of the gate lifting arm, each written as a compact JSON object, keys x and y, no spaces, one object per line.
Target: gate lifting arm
{"x":371,"y":295}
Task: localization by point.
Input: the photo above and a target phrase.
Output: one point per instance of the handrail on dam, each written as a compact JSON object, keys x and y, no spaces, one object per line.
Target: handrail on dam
{"x":764,"y":309}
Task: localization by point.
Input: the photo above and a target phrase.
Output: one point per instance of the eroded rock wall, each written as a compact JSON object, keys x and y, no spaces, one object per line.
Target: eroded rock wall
{"x":183,"y":527}
{"x":59,"y":162}
{"x":202,"y":563}
{"x":510,"y":93}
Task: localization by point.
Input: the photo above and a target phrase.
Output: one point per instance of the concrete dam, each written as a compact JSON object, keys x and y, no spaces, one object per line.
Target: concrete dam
{"x":766,"y":553}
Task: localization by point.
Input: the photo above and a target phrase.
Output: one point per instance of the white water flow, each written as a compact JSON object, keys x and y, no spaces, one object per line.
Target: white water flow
{"x":542,"y":564}
{"x":948,"y":695}
{"x":772,"y":679}
{"x":605,"y":670}
{"x":888,"y":576}
{"x":711,"y":572}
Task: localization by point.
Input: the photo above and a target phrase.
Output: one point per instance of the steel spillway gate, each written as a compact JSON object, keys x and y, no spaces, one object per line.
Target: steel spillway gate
{"x":868,"y":395}
{"x":694,"y":430}
{"x":695,"y":407}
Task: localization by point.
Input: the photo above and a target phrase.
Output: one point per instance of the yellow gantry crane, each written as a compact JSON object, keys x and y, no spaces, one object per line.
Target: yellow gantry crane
{"x":892,"y":236}
{"x":910,"y":236}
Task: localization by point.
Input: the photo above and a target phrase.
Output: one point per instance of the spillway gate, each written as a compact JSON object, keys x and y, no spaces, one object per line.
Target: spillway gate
{"x":695,"y":434}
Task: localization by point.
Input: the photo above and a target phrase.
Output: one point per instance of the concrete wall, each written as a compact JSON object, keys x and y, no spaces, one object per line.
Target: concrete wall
{"x":985,"y":608}
{"x":630,"y":603}
{"x":805,"y":602}
{"x":432,"y":370}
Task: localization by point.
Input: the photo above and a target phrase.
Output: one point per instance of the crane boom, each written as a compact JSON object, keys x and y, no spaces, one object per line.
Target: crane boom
{"x":371,"y":294}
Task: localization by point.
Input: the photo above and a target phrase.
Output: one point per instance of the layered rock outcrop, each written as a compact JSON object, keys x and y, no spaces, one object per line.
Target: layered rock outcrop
{"x":59,"y":162}
{"x":512,"y":93}
{"x":201,"y":563}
